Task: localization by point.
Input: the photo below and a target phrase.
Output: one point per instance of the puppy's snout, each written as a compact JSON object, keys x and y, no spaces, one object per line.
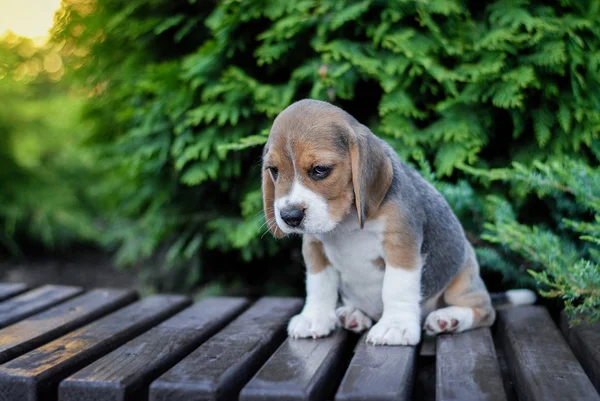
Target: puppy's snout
{"x":292,"y":216}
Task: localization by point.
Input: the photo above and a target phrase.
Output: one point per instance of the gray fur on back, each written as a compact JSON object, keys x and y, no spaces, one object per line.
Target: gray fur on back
{"x":443,"y":239}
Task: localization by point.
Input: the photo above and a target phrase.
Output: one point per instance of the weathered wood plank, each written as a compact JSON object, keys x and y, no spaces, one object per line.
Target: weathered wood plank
{"x":231,"y":357}
{"x":541,"y":365}
{"x":35,"y":375}
{"x":8,"y":290}
{"x":467,"y":368}
{"x":126,"y":373}
{"x":34,"y":301}
{"x":584,"y":340}
{"x":300,"y":370}
{"x":509,"y":387}
{"x":21,"y":337}
{"x":378,"y":373}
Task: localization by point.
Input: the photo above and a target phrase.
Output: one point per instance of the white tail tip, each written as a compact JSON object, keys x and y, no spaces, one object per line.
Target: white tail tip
{"x":521,"y":297}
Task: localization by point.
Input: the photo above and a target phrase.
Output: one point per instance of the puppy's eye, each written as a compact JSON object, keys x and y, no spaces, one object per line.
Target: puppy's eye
{"x":274,"y":172}
{"x":320,"y":172}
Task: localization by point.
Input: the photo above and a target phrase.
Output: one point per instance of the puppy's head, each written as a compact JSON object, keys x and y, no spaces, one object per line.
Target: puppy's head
{"x":320,"y":164}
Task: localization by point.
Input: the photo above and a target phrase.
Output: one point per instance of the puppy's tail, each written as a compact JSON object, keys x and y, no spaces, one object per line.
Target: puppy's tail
{"x":513,"y":298}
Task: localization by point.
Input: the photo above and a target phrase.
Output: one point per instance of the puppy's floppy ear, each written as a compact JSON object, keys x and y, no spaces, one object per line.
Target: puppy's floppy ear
{"x":372,"y":171}
{"x":268,"y":195}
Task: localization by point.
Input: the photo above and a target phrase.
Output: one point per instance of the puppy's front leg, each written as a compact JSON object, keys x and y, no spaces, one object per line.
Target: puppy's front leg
{"x":318,"y":318}
{"x":400,"y":323}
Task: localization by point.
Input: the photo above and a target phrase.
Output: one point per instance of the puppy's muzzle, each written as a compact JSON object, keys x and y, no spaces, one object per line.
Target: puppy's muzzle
{"x":292,"y":216}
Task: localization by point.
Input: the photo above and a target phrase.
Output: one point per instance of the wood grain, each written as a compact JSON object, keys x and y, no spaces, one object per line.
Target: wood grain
{"x":300,"y":370}
{"x":379,"y":373}
{"x":34,"y":301}
{"x":231,"y":357}
{"x":542,"y":366}
{"x":35,"y":375}
{"x":8,"y":290}
{"x":584,"y":340}
{"x":39,"y":329}
{"x":125,"y":374}
{"x":467,"y":367}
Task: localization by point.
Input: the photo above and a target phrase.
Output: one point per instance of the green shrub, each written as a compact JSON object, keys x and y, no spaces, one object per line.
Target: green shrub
{"x":187,"y":92}
{"x":564,"y":257}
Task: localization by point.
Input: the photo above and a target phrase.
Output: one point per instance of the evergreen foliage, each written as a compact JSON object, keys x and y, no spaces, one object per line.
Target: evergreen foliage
{"x":186,"y":93}
{"x":564,"y":258}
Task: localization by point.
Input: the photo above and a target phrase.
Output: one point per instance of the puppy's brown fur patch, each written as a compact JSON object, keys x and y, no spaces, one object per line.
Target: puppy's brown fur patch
{"x":314,"y":254}
{"x":400,"y":244}
{"x":467,"y":289}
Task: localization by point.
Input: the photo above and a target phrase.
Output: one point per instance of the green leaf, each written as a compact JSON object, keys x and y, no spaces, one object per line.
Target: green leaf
{"x":350,"y":13}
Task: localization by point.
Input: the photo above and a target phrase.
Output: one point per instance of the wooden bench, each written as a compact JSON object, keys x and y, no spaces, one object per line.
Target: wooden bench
{"x":64,"y":343}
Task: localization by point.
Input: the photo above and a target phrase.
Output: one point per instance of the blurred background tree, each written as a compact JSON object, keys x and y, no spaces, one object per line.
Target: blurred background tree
{"x":181,"y":95}
{"x":44,"y":169}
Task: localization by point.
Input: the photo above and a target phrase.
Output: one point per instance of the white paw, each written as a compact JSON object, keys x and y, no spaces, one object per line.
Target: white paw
{"x":448,"y":320}
{"x":353,"y":319}
{"x":315,"y":326}
{"x":395,"y":332}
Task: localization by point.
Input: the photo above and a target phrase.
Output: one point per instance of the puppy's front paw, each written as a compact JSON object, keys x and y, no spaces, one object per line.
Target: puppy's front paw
{"x":353,"y":319}
{"x":315,"y":326}
{"x":392,"y":332}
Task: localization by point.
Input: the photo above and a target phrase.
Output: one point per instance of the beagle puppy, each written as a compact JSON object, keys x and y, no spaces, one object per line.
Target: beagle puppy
{"x":381,"y":245}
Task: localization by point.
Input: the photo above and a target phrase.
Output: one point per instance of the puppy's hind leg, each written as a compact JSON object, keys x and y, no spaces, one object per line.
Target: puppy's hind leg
{"x":469,"y":303}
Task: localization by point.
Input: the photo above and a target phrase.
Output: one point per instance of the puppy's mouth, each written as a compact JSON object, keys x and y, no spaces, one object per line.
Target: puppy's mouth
{"x":300,"y":230}
{"x":292,"y":231}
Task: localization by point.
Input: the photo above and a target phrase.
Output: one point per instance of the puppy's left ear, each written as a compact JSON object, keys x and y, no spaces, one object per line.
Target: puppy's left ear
{"x":372,"y":171}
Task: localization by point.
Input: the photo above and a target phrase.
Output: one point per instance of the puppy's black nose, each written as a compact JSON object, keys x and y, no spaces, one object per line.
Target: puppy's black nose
{"x":292,"y":217}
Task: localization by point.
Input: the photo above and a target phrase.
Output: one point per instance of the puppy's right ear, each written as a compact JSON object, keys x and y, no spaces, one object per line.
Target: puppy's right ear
{"x":268,"y":195}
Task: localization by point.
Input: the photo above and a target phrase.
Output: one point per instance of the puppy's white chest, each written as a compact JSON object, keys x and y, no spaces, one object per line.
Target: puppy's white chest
{"x":357,"y":255}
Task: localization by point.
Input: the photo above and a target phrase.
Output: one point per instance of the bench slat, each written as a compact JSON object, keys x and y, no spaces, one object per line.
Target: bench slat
{"x":34,"y":301}
{"x":35,"y":375}
{"x":379,"y":373}
{"x":126,"y":373}
{"x":39,"y":329}
{"x":8,"y":290}
{"x":584,"y":340}
{"x":231,"y":357}
{"x":300,"y":370}
{"x":542,"y":366}
{"x":467,"y":367}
